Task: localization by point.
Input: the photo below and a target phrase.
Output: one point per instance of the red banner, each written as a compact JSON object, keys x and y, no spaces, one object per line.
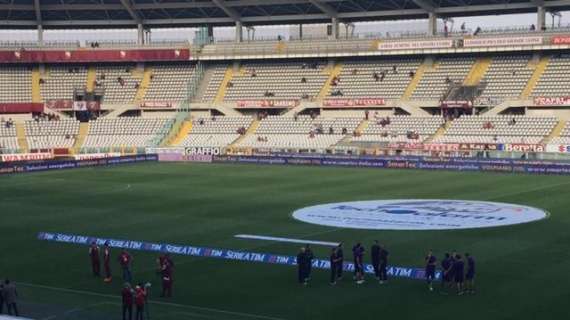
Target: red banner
{"x":457,"y":104}
{"x":86,"y":55}
{"x":561,"y":40}
{"x":21,"y":107}
{"x":354,"y":102}
{"x":267,"y":103}
{"x":557,"y":101}
{"x":60,"y":104}
{"x":444,"y":146}
{"x":25,"y":156}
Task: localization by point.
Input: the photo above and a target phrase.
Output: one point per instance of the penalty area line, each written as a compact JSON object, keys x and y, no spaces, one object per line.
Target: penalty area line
{"x":279,"y":239}
{"x":171,"y":304}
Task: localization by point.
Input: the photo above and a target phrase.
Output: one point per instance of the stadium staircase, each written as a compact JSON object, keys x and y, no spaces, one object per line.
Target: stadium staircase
{"x":118,"y":110}
{"x":179,"y":131}
{"x":478,"y":71}
{"x":36,"y":90}
{"x":539,"y":68}
{"x":143,"y":85}
{"x":440,"y":132}
{"x":414,"y":108}
{"x":21,"y":135}
{"x":345,"y":141}
{"x":556,"y":131}
{"x":80,"y":139}
{"x":416,"y":80}
{"x":333,"y":71}
{"x":505,"y":105}
{"x":250,"y":131}
{"x":228,"y":76}
{"x":280,"y":47}
{"x":91,"y":77}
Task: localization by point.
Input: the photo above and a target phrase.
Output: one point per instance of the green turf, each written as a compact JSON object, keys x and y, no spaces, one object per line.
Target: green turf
{"x":522,"y":270}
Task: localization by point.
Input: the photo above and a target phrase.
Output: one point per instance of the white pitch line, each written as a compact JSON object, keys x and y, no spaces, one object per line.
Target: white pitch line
{"x":110,"y":296}
{"x":278,"y":239}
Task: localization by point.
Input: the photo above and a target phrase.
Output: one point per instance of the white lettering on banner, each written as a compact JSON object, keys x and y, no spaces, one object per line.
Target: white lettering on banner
{"x":524,"y":147}
{"x":165,"y":151}
{"x":267,"y":103}
{"x":354,"y":102}
{"x":418,"y":214}
{"x":555,"y":101}
{"x":562,"y":148}
{"x":422,"y":44}
{"x":79,"y":106}
{"x":203,"y":151}
{"x":25,"y":156}
{"x":95,"y":156}
{"x":497,"y":42}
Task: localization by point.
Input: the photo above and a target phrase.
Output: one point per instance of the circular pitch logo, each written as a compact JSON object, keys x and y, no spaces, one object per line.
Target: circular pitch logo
{"x":418,"y":214}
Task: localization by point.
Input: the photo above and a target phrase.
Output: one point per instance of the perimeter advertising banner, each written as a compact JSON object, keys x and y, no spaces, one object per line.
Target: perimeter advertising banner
{"x":266,"y":103}
{"x":417,"y":44}
{"x":561,"y":40}
{"x":554,"y":101}
{"x":90,"y":55}
{"x":501,"y":42}
{"x":424,"y":163}
{"x":354,"y":102}
{"x":25,"y":157}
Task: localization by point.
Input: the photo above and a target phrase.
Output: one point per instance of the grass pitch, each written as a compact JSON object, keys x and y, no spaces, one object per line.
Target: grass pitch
{"x":521,"y":271}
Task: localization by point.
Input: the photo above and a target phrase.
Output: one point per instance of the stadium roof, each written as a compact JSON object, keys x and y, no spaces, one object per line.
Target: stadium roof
{"x":178,"y":13}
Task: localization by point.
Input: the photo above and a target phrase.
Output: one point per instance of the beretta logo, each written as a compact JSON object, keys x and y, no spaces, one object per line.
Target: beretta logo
{"x":418,"y":214}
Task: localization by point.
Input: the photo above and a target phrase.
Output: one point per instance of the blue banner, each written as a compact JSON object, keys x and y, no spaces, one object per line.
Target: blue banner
{"x":22,"y":167}
{"x":227,"y":254}
{"x":424,"y":163}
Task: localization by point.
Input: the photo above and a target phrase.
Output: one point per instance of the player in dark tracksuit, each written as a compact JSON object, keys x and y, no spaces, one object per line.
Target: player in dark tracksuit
{"x":431,"y":262}
{"x":470,"y":275}
{"x":458,"y":273}
{"x":95,"y":259}
{"x":310,"y":257}
{"x":339,"y":265}
{"x":301,"y":266}
{"x":358,"y":254}
{"x":382,"y":270}
{"x":446,"y":275}
{"x":334,"y":260}
{"x":375,"y":257}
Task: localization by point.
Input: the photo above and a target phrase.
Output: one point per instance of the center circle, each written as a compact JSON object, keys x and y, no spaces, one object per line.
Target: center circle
{"x":418,"y":214}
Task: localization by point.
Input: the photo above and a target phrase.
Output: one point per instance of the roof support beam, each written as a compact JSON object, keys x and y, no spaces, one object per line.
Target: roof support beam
{"x":129,"y":7}
{"x":38,"y":12}
{"x":325,"y":8}
{"x":427,"y":5}
{"x":231,"y":12}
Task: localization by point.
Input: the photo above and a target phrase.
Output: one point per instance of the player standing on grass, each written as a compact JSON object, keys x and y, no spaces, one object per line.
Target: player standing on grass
{"x":446,"y":266}
{"x":334,"y":260}
{"x":95,"y":261}
{"x":301,"y":266}
{"x":358,"y":254}
{"x":127,"y":295}
{"x":383,"y":264}
{"x":458,"y":272}
{"x":430,"y":261}
{"x":140,"y":300}
{"x":126,"y":260}
{"x":310,"y":257}
{"x":340,"y":263}
{"x":166,"y":275}
{"x":375,"y":255}
{"x":107,"y":262}
{"x":470,"y":275}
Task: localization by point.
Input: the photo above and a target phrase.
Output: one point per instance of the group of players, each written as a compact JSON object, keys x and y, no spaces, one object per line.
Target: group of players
{"x":455,"y":271}
{"x":136,"y":296}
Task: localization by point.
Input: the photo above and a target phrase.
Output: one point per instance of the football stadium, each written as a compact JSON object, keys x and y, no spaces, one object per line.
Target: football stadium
{"x":284,"y":159}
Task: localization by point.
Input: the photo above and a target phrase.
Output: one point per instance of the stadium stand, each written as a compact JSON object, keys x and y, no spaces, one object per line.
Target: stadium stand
{"x":169,"y":83}
{"x":43,"y":134}
{"x":437,"y":80}
{"x":215,"y":132}
{"x":376,"y":78}
{"x":119,"y":83}
{"x":15,"y":84}
{"x":498,"y":129}
{"x":507,"y":77}
{"x":564,"y":137}
{"x":126,"y":132}
{"x":400,"y":129}
{"x":555,"y":80}
{"x":59,"y":81}
{"x":8,"y":139}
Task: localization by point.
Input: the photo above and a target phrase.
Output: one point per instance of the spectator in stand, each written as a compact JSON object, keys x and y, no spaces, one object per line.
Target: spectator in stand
{"x":229,"y":84}
{"x":295,"y":116}
{"x":331,"y":130}
{"x":532,"y":27}
{"x":463,"y":28}
{"x":201,"y":121}
{"x":354,"y":72}
{"x":395,"y":69}
{"x":253,"y":73}
{"x":120,"y":81}
{"x":344,"y":130}
{"x":303,"y":80}
{"x":376,"y":76}
{"x":513,"y":122}
{"x":412,"y":73}
{"x":366,"y":114}
{"x":445,"y":30}
{"x":477,"y":31}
